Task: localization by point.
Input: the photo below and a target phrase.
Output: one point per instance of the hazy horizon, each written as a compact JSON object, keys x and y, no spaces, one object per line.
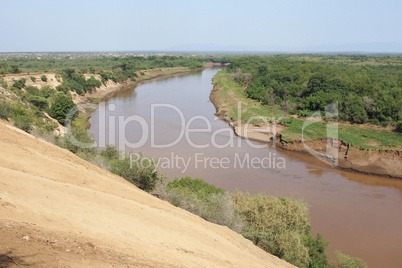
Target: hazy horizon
{"x":209,"y":26}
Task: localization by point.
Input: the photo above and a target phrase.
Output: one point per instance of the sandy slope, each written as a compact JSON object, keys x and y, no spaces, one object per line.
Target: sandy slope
{"x":59,"y":210}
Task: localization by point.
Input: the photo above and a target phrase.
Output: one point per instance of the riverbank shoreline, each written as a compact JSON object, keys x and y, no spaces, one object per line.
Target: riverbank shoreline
{"x":334,"y":152}
{"x":88,"y":102}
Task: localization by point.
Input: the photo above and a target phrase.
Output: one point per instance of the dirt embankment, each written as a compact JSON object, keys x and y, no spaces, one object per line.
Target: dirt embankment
{"x":61,"y":211}
{"x":339,"y":154}
{"x":336,"y":152}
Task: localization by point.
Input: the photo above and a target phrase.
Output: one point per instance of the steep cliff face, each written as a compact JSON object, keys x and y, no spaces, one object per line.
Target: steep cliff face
{"x":58,"y":210}
{"x":340,"y":154}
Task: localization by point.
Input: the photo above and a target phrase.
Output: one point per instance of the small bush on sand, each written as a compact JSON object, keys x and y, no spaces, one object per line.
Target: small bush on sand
{"x":18,"y":84}
{"x":142,"y":172}
{"x":21,"y":117}
{"x":207,"y":201}
{"x":4,"y":110}
{"x":202,"y":189}
{"x":3,"y":83}
{"x":23,"y":122}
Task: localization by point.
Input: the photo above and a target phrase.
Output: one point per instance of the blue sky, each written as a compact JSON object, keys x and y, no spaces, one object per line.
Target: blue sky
{"x":122,"y":25}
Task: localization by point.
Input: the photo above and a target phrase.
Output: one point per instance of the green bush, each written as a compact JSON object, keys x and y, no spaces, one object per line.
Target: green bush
{"x":281,"y":227}
{"x":110,"y":153}
{"x":80,"y":134}
{"x":202,"y":189}
{"x":32,"y":90}
{"x":43,"y":78}
{"x":22,"y":117}
{"x":60,"y":108}
{"x":91,"y":83}
{"x":3,"y":83}
{"x":73,"y":81}
{"x":345,"y":261}
{"x":304,"y":113}
{"x":316,"y":246}
{"x":23,"y":122}
{"x":20,"y":83}
{"x":38,"y":101}
{"x":45,"y":125}
{"x":399,"y":126}
{"x":47,"y":91}
{"x":4,"y":110}
{"x":142,"y":172}
{"x":33,"y":79}
{"x":207,"y":201}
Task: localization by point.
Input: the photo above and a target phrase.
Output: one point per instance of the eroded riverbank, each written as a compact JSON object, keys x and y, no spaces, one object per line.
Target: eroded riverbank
{"x":335,"y":152}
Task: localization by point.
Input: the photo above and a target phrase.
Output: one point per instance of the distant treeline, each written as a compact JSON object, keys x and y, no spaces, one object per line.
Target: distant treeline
{"x":118,"y":68}
{"x":367,"y":88}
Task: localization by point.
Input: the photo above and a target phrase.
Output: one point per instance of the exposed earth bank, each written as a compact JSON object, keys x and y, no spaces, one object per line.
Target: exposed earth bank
{"x":61,"y":211}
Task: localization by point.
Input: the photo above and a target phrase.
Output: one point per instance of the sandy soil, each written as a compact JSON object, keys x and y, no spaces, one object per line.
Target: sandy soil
{"x":51,"y":79}
{"x":58,"y":210}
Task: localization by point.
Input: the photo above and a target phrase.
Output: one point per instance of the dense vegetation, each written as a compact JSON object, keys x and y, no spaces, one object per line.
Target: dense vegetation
{"x":363,"y":137}
{"x":367,"y":89}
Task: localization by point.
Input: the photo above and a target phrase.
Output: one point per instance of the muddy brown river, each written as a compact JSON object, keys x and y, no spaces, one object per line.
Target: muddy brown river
{"x":171,"y":119}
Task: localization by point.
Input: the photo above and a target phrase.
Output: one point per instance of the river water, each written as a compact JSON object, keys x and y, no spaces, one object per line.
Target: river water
{"x":172,"y":120}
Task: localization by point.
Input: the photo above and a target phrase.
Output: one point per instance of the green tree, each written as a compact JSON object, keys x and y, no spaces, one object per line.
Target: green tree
{"x":43,"y":78}
{"x":60,"y":108}
{"x":354,"y":110}
{"x":15,"y":69}
{"x":20,"y":83}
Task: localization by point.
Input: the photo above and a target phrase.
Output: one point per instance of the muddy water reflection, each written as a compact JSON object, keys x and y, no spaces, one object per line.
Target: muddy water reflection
{"x":359,"y":214}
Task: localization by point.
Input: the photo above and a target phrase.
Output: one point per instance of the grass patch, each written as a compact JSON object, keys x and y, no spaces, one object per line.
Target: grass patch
{"x":368,"y":138}
{"x":95,"y":100}
{"x":232,"y":93}
{"x":362,"y":137}
{"x":82,"y":120}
